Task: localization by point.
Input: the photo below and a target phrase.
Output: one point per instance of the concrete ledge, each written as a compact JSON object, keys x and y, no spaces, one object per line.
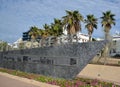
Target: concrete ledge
{"x":101,"y":72}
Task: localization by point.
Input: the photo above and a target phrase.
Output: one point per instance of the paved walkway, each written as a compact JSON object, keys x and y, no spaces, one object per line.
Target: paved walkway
{"x":7,"y":80}
{"x":102,"y":72}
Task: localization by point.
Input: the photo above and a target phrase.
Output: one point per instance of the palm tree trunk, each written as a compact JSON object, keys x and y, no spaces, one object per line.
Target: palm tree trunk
{"x":105,"y":52}
{"x":107,"y":47}
{"x":32,"y":43}
{"x":69,"y":38}
{"x":90,"y":36}
{"x":107,"y":36}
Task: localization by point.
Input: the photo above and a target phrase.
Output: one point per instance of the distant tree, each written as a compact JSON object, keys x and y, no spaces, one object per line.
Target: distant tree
{"x":46,"y":26}
{"x":34,"y":33}
{"x":46,"y":30}
{"x":57,"y":27}
{"x":91,"y":23}
{"x":3,"y":46}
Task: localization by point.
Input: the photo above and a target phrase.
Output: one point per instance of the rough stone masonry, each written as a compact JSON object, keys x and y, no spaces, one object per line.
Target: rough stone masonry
{"x":63,"y":61}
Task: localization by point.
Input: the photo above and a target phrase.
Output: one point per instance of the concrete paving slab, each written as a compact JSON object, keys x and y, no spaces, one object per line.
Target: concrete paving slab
{"x":102,"y":72}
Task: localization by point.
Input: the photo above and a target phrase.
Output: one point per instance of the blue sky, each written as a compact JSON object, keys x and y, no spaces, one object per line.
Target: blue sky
{"x":16,"y":16}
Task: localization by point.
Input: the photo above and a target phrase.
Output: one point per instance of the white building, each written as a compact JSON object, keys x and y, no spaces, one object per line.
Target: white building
{"x":16,"y":43}
{"x":115,"y":49}
{"x":80,"y":37}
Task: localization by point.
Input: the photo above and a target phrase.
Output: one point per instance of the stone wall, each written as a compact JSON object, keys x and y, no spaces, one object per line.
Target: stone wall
{"x":63,"y":61}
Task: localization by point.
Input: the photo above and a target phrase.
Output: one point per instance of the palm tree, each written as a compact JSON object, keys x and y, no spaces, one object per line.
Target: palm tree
{"x":43,"y":35}
{"x":34,"y":34}
{"x":91,"y":23}
{"x":107,"y":22}
{"x":72,"y":22}
{"x":46,"y":31}
{"x":56,"y":27}
{"x":46,"y":26}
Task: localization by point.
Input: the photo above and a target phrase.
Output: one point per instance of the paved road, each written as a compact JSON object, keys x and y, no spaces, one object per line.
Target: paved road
{"x":9,"y":82}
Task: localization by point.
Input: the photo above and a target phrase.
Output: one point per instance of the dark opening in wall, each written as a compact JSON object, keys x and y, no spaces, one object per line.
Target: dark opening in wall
{"x":73,"y":61}
{"x":25,"y":58}
{"x":19,"y":59}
